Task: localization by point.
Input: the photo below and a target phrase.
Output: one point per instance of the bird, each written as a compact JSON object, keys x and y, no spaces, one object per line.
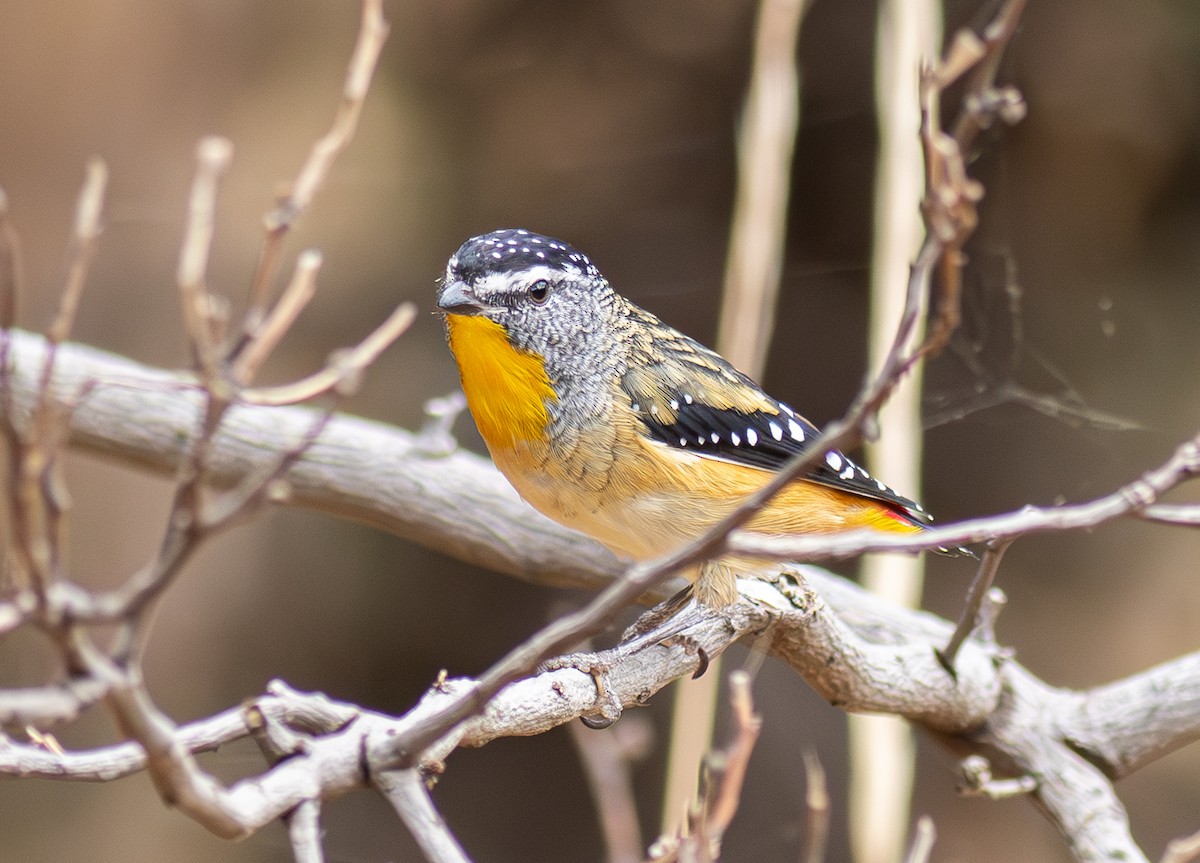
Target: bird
{"x":611,"y":422}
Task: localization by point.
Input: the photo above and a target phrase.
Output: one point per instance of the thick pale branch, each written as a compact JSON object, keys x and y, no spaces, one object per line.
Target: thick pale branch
{"x":882,"y":656}
{"x":1027,"y":734}
{"x":48,"y":704}
{"x":1129,"y":723}
{"x":358,"y":469}
{"x":890,"y":668}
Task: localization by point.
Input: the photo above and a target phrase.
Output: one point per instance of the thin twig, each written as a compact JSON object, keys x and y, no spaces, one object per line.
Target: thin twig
{"x":816,"y":808}
{"x":1178,"y":514}
{"x":736,"y":757}
{"x":212,"y":158}
{"x":343,"y":372}
{"x":10,"y":268}
{"x":372,"y":33}
{"x":83,"y":242}
{"x":299,"y":292}
{"x":725,"y":775}
{"x":922,"y":844}
{"x":1182,"y":850}
{"x":606,"y":767}
{"x":976,"y":594}
{"x":1128,"y":500}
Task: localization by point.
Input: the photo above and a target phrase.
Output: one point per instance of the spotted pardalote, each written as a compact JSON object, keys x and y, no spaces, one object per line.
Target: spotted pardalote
{"x":613,"y":423}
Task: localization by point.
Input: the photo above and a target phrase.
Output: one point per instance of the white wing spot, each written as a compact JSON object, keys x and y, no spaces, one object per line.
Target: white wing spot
{"x":683,"y":441}
{"x":776,"y":430}
{"x":882,"y":487}
{"x":687,"y":398}
{"x":848,"y":473}
{"x":716,"y":438}
{"x":787,"y":410}
{"x":796,"y":430}
{"x":635,"y":406}
{"x":752,"y":437}
{"x":734,"y":439}
{"x":674,"y":404}
{"x":833,"y":460}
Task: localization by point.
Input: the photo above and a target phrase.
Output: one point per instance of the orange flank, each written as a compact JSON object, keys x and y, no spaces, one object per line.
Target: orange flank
{"x":507,"y":389}
{"x":801,"y":507}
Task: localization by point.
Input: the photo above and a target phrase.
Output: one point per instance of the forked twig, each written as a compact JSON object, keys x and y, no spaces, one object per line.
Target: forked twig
{"x":342,"y":374}
{"x":724,"y":778}
{"x":980,"y":585}
{"x":372,"y":33}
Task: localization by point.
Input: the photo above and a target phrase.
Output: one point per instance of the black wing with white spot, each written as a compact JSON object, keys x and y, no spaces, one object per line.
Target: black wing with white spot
{"x":767,"y":440}
{"x":690,"y":398}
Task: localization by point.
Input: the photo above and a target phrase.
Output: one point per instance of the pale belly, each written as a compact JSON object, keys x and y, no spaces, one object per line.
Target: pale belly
{"x":637,"y":526}
{"x":652,"y":507}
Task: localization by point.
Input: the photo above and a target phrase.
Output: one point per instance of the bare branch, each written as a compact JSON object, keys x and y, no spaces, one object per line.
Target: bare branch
{"x":736,"y":757}
{"x":1077,"y":798}
{"x":1128,"y":500}
{"x":1182,"y":850}
{"x":816,"y":805}
{"x":212,"y":158}
{"x":83,"y":242}
{"x":342,"y":374}
{"x":405,"y":790}
{"x":606,"y":765}
{"x":976,"y":595}
{"x":304,"y":832}
{"x":1022,"y":727}
{"x":299,"y":292}
{"x":10,"y":267}
{"x":373,"y":31}
{"x":1129,"y":723}
{"x":922,"y":844}
{"x":46,"y":705}
{"x":1180,"y":514}
{"x":765,"y":147}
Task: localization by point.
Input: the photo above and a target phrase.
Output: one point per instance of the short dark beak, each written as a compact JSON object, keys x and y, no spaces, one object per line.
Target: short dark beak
{"x":455,"y":299}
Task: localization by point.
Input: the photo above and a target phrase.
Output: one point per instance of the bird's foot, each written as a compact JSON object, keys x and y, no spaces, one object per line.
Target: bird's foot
{"x":598,"y":667}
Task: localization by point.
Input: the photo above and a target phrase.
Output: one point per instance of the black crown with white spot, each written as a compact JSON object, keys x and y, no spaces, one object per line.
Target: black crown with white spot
{"x":510,"y":250}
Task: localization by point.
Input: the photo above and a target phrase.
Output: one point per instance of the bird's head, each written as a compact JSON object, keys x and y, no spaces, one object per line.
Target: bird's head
{"x":547,"y":297}
{"x":532,"y":324}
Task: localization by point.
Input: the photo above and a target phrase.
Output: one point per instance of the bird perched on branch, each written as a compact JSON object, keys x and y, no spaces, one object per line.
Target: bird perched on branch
{"x":611,"y":422}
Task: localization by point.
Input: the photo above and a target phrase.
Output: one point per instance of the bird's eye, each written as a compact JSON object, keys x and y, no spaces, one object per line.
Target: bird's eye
{"x":539,"y":291}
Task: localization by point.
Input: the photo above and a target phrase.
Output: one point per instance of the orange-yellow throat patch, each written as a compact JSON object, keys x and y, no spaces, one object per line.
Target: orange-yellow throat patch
{"x":507,"y":389}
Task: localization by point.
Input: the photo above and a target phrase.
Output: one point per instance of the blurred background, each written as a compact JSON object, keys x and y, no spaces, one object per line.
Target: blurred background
{"x":612,"y":125}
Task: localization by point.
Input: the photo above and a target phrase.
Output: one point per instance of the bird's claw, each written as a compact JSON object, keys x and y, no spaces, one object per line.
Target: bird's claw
{"x":598,"y":668}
